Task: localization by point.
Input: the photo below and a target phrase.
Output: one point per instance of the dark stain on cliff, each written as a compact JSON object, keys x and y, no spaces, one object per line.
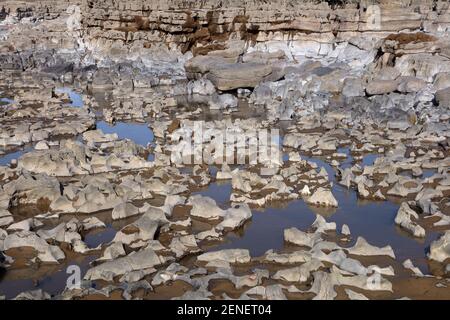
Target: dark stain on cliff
{"x":142,"y":23}
{"x":405,"y":38}
{"x":24,"y":13}
{"x":3,"y":14}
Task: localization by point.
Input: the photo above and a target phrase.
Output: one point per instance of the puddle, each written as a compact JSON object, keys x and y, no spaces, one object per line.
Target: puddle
{"x":219,"y":191}
{"x":6,"y":159}
{"x":140,"y":133}
{"x":369,"y":159}
{"x":266,"y":228}
{"x":372,"y":220}
{"x":77,"y":99}
{"x":426,"y":173}
{"x":100,"y":236}
{"x":52,"y":281}
{"x":6,"y":101}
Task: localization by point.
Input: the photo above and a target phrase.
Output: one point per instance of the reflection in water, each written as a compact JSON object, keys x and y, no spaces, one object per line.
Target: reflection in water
{"x":372,"y":220}
{"x":219,"y":191}
{"x":52,"y":281}
{"x":7,"y":158}
{"x":6,"y":101}
{"x":369,"y":159}
{"x":140,"y":133}
{"x":76,"y":98}
{"x":100,"y":236}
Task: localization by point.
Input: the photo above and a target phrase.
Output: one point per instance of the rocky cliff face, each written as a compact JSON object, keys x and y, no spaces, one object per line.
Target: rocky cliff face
{"x":160,"y":36}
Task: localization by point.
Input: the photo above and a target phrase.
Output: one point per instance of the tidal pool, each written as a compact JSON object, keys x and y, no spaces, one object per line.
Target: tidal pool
{"x":140,"y":133}
{"x":5,"y":101}
{"x":370,"y":219}
{"x":75,"y":97}
{"x":6,"y":159}
{"x":51,"y":279}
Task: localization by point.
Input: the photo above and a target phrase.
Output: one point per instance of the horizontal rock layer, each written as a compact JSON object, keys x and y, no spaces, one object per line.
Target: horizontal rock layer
{"x":131,"y":27}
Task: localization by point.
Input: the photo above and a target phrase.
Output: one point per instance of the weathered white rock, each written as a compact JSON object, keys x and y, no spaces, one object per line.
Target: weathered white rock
{"x":184,"y":245}
{"x":27,"y":225}
{"x":300,"y":238}
{"x":299,"y":274}
{"x":404,"y":219}
{"x":114,"y":251}
{"x":135,"y":261}
{"x":124,"y":210}
{"x":352,"y":295}
{"x":92,"y":223}
{"x":223,"y":101}
{"x":363,"y":248}
{"x":440,"y":249}
{"x":205,"y":207}
{"x":202,"y":87}
{"x":41,"y":145}
{"x":409,"y":265}
{"x":345,"y":230}
{"x":143,"y":229}
{"x":45,"y":252}
{"x":229,"y":255}
{"x":287,"y":258}
{"x":6,"y":218}
{"x":38,"y":294}
{"x":235,"y":217}
{"x":321,"y":225}
{"x":305,"y":191}
{"x":381,"y":87}
{"x":322,"y":197}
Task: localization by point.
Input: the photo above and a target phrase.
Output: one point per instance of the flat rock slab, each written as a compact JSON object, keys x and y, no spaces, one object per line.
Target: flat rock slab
{"x":238,"y":75}
{"x":228,"y":255}
{"x":443,"y":97}
{"x":144,"y":259}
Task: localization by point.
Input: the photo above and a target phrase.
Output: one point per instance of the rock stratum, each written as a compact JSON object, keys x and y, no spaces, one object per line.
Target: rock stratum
{"x":160,"y":36}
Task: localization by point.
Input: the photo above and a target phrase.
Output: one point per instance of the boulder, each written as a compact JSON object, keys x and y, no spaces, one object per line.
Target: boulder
{"x":143,"y":229}
{"x":381,"y":87}
{"x":322,"y":197}
{"x":239,"y":75}
{"x":404,"y":219}
{"x":321,"y":225}
{"x":345,"y":230}
{"x":33,"y":295}
{"x":41,"y":145}
{"x":235,"y":217}
{"x":440,"y":249}
{"x":114,"y":251}
{"x":223,"y":101}
{"x":203,"y":64}
{"x":6,"y":218}
{"x":135,"y":261}
{"x":353,"y":87}
{"x":363,"y":248}
{"x":299,"y":274}
{"x":202,"y":87}
{"x":300,"y":238}
{"x":410,"y":84}
{"x":124,"y":210}
{"x":45,"y":252}
{"x":205,"y":207}
{"x":442,"y":81}
{"x":443,"y":98}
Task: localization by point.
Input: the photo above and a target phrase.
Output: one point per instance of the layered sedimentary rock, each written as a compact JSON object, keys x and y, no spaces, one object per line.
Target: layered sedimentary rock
{"x":162,"y":35}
